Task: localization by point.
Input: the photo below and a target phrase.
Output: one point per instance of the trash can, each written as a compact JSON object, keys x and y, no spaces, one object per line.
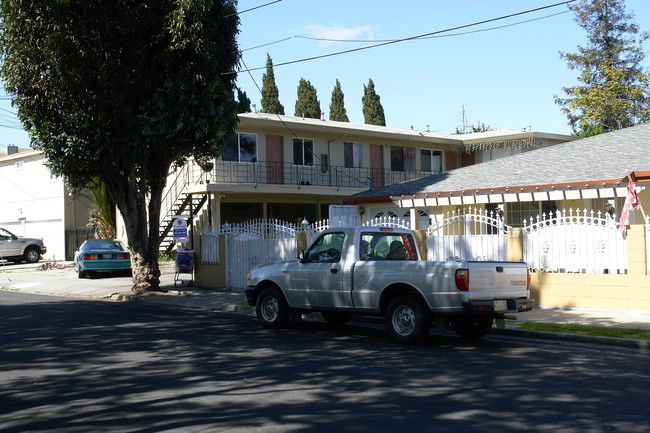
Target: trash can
{"x":184,"y":264}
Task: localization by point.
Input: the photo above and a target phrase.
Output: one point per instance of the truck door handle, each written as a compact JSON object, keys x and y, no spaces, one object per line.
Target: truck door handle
{"x":334,"y":271}
{"x":499,"y":268}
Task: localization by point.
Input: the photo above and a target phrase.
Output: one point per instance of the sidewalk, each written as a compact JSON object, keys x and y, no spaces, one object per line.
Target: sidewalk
{"x":26,"y":278}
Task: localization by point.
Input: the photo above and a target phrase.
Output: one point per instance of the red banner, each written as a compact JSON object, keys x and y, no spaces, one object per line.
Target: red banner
{"x":631,"y":201}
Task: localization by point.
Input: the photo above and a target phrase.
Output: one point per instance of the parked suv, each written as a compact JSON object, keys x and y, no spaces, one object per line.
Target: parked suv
{"x":17,"y":249}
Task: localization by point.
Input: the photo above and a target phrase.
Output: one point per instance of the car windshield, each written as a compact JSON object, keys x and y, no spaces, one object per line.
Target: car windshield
{"x":104,"y":244}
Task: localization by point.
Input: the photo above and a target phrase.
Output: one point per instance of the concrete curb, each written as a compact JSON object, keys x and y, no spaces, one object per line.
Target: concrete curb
{"x":642,"y":345}
{"x":559,"y":337}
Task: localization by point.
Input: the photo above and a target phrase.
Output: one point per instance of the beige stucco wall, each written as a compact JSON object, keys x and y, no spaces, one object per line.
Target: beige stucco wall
{"x":630,"y":292}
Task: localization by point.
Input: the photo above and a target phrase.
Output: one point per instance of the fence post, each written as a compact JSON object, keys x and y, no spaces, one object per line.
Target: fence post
{"x":636,"y":249}
{"x":301,"y":241}
{"x":515,"y":244}
{"x":421,"y":241}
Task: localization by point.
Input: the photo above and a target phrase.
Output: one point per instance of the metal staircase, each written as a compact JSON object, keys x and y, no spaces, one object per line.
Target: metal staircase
{"x":178,"y":201}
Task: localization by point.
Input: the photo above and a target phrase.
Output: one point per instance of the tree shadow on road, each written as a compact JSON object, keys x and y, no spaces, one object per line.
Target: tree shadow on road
{"x":75,"y":365}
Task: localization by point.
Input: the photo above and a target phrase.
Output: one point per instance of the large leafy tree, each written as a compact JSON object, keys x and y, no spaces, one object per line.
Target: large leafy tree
{"x":337,"y":104}
{"x":270,"y":94}
{"x":122,"y":91}
{"x":613,"y":93}
{"x":307,"y":104}
{"x":373,"y":112}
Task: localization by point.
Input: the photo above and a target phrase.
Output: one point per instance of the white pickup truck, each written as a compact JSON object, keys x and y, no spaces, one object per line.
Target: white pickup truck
{"x":377,"y":271}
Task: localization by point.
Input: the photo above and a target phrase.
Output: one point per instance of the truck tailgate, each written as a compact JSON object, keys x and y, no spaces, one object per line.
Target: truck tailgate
{"x":497,"y":280}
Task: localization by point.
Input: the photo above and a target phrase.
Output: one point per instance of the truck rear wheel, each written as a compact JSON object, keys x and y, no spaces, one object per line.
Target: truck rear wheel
{"x":272,"y":309}
{"x":408,"y":321}
{"x":472,"y":327}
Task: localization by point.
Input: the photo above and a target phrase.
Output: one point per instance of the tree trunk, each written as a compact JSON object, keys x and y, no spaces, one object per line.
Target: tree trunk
{"x":141,"y":215}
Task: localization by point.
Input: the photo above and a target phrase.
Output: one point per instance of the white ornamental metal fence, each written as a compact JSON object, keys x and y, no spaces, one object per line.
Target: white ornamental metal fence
{"x":468,"y":234}
{"x":388,"y":221}
{"x":248,"y":245}
{"x":574,"y":241}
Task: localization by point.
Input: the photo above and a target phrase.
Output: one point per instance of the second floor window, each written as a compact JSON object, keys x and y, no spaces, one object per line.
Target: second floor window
{"x":431,"y":160}
{"x":352,"y":154}
{"x":241,"y":147}
{"x":303,"y":151}
{"x":402,"y":158}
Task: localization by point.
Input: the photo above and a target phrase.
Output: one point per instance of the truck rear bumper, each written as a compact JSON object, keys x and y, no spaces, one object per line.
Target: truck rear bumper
{"x":499,"y":306}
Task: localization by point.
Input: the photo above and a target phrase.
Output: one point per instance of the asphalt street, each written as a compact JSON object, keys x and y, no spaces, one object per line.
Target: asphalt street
{"x":78,"y":365}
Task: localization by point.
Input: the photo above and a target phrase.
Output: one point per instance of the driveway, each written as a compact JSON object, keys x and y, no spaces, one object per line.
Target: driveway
{"x":64,"y":282}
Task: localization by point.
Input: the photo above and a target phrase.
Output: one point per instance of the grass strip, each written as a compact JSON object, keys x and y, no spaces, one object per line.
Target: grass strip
{"x":577,"y":328}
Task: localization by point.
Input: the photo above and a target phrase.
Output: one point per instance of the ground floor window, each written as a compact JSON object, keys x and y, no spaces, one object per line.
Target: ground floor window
{"x":516,"y":213}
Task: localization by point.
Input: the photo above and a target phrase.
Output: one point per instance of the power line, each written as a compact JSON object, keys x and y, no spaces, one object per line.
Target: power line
{"x":431,"y":37}
{"x":411,"y":38}
{"x":368,"y":22}
{"x":256,"y":7}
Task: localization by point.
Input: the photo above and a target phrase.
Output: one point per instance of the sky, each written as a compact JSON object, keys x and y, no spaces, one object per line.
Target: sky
{"x":503,"y":74}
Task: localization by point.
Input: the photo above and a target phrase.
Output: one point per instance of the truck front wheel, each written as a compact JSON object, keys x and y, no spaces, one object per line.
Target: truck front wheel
{"x":32,"y":255}
{"x":408,"y":321}
{"x":272,"y":309}
{"x":472,"y":327}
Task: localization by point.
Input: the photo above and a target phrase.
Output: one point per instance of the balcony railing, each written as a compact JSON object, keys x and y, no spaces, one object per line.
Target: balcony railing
{"x":276,"y":173}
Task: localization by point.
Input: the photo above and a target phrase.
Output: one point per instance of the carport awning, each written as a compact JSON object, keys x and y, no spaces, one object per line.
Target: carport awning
{"x":511,"y":195}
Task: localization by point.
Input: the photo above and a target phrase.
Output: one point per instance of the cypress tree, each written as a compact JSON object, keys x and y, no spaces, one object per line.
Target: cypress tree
{"x":337,"y":105}
{"x":307,"y":104}
{"x":243,"y":102}
{"x":270,"y":95}
{"x":373,"y":112}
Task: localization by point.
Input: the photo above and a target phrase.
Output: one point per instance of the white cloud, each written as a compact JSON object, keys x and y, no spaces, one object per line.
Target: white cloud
{"x":336,"y":34}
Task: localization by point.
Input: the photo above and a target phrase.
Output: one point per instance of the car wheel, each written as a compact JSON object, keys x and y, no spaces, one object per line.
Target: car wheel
{"x":472,"y":327}
{"x":407,"y":319}
{"x":32,"y":255}
{"x":272,"y":309}
{"x":336,"y":317}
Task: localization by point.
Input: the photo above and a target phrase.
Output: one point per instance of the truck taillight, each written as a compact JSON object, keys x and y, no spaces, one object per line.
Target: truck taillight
{"x":462,"y":279}
{"x":528,"y":276}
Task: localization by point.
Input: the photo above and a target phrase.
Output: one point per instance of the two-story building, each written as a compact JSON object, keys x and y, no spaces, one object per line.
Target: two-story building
{"x":289,"y":168}
{"x":277,"y":167}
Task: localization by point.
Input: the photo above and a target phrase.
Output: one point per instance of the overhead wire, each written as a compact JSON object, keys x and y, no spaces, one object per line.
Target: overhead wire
{"x":368,"y":22}
{"x":435,"y":36}
{"x":410,"y":38}
{"x":254,"y":8}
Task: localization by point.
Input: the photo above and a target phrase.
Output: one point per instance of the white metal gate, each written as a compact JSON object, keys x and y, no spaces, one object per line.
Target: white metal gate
{"x":468,"y":234}
{"x":574,"y":241}
{"x":256,"y":243}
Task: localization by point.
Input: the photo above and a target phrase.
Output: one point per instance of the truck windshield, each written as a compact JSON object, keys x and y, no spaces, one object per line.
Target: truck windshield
{"x":387,"y":246}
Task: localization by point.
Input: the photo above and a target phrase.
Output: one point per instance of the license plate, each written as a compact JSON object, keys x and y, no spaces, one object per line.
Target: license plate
{"x":501,"y":305}
{"x":107,"y":256}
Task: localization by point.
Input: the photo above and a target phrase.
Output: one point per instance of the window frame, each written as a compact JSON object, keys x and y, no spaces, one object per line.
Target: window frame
{"x":429,"y":157}
{"x":229,"y":156}
{"x":303,"y":158}
{"x":352,"y":154}
{"x":399,"y":160}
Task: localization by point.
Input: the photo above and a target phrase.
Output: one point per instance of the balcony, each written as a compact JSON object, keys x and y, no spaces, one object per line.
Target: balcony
{"x":275,"y":173}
